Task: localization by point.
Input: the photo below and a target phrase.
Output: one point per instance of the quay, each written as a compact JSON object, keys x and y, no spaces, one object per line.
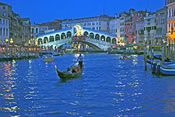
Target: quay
{"x":9,"y":53}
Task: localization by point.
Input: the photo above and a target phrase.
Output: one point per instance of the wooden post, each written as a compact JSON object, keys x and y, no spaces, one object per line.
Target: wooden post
{"x":151,"y":53}
{"x":145,"y":55}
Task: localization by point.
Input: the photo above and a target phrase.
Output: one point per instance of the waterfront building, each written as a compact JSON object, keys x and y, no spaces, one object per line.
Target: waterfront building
{"x":114,"y":28}
{"x":139,"y":20}
{"x":161,"y":24}
{"x":4,"y":30}
{"x":128,"y":25}
{"x":140,"y":32}
{"x":170,"y":5}
{"x":122,"y":26}
{"x":5,"y":10}
{"x":100,"y":23}
{"x":150,"y":27}
{"x":38,"y":29}
{"x":53,"y":25}
{"x":13,"y":27}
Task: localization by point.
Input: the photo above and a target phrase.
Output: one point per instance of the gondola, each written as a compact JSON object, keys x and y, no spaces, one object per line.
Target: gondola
{"x":168,"y":69}
{"x":66,"y":75}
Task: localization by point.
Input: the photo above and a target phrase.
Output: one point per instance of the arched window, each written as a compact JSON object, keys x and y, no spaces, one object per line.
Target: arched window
{"x":46,"y":39}
{"x":57,"y":37}
{"x":114,"y":41}
{"x":69,"y":34}
{"x":63,"y":36}
{"x":86,"y":34}
{"x":91,"y":35}
{"x":108,"y":39}
{"x":51,"y":38}
{"x":39,"y":41}
{"x":97,"y":36}
{"x":103,"y":38}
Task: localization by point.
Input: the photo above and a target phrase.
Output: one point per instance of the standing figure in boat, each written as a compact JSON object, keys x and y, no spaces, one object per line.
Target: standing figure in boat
{"x":80,"y":61}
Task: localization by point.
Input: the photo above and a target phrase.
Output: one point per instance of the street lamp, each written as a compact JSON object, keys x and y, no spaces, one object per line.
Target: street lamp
{"x":6,"y":40}
{"x":11,"y":41}
{"x":6,"y":52}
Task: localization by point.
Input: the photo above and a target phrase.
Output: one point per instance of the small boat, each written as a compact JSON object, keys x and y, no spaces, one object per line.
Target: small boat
{"x":69,"y":75}
{"x":48,"y":58}
{"x":57,"y":54}
{"x":126,"y":57}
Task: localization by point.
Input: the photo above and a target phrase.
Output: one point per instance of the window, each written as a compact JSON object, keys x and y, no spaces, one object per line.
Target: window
{"x":36,"y":30}
{"x":6,"y":31}
{"x":99,"y":28}
{"x":0,"y":21}
{"x":3,"y":31}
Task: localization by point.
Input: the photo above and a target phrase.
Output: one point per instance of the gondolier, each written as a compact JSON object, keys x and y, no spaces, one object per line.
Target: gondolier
{"x":80,"y":61}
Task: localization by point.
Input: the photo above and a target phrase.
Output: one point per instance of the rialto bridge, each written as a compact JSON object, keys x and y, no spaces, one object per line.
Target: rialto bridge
{"x":77,"y":37}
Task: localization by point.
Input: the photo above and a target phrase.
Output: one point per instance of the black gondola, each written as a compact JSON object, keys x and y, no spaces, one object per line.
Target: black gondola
{"x":66,"y":75}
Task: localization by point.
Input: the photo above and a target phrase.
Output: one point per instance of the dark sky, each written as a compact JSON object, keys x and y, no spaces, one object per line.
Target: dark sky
{"x":40,"y":11}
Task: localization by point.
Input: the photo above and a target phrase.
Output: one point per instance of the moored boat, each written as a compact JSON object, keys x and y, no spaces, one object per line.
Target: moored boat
{"x":168,"y":69}
{"x":48,"y":58}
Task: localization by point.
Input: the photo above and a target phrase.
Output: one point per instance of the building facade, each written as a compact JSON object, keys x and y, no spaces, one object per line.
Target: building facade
{"x":170,"y":6}
{"x":100,"y":23}
{"x":161,"y":25}
{"x":5,"y":11}
{"x":13,"y":26}
{"x":150,"y":27}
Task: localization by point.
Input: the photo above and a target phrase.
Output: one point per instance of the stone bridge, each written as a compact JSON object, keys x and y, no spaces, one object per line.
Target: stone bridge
{"x":95,"y":39}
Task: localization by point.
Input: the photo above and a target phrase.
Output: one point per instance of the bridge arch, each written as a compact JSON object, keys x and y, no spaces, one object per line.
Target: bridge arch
{"x":91,"y":35}
{"x":69,"y":34}
{"x":103,"y":38}
{"x":114,"y":41}
{"x":46,"y":40}
{"x":51,"y":38}
{"x":108,"y":39}
{"x":97,"y":36}
{"x":63,"y":36}
{"x":57,"y":37}
{"x":86,"y":34}
{"x":40,"y":41}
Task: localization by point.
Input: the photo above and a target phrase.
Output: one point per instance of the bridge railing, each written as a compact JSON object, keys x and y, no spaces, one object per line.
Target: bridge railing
{"x":99,"y":42}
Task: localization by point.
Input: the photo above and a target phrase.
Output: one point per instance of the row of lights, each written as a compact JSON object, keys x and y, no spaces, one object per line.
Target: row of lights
{"x":7,"y":40}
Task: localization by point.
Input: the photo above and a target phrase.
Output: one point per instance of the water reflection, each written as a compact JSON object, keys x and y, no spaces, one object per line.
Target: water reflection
{"x":108,"y":87}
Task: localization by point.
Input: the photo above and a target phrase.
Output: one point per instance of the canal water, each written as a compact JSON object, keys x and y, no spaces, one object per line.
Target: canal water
{"x":109,"y":87}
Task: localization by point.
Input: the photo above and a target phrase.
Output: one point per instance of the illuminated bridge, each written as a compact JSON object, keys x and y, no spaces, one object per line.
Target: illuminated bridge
{"x":79,"y":38}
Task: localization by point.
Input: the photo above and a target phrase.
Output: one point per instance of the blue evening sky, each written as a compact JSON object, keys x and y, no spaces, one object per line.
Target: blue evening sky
{"x":40,"y":11}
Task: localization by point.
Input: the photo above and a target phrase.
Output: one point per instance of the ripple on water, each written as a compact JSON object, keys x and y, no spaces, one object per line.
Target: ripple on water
{"x":108,"y":87}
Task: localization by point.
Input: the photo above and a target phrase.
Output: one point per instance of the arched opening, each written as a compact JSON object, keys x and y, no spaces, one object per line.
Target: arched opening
{"x":63,"y":36}
{"x":114,"y":41}
{"x":57,"y":37}
{"x":91,"y":35}
{"x":69,"y":34}
{"x":39,"y":41}
{"x":46,"y":39}
{"x":103,"y":38}
{"x":97,"y":36}
{"x":51,"y":38}
{"x":108,"y":39}
{"x":86,"y":34}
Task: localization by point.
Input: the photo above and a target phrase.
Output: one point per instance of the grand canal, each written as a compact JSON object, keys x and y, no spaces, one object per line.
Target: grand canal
{"x":108,"y":87}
